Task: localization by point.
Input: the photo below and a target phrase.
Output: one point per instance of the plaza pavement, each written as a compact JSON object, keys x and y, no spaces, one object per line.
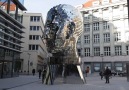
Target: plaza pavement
{"x":94,"y":82}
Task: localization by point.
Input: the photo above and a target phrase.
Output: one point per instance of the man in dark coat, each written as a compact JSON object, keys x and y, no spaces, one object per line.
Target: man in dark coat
{"x":40,"y":71}
{"x":107,"y":74}
{"x":33,"y":72}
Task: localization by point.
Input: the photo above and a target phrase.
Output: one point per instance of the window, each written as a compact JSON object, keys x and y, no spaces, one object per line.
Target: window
{"x":87,"y":39}
{"x":38,"y":18}
{"x":37,"y":28}
{"x":96,"y":26}
{"x":34,"y":18}
{"x":96,"y":67}
{"x":106,"y":14}
{"x":97,"y":51}
{"x":107,"y":51}
{"x":36,"y":47}
{"x":34,"y":28}
{"x":34,"y":37}
{"x":96,"y":38}
{"x":118,"y":66}
{"x":86,"y":16}
{"x":106,"y":37}
{"x":33,"y":47}
{"x":127,"y":50}
{"x":116,"y":11}
{"x":107,"y":65}
{"x":117,"y":36}
{"x":37,"y":37}
{"x":1,"y":42}
{"x":105,"y":26}
{"x":31,"y":18}
{"x":30,"y":37}
{"x":87,"y":51}
{"x":118,"y":50}
{"x":87,"y":27}
{"x":8,"y":53}
{"x":79,"y":52}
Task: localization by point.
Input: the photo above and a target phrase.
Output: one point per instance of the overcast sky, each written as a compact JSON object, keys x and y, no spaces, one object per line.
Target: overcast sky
{"x":43,"y":6}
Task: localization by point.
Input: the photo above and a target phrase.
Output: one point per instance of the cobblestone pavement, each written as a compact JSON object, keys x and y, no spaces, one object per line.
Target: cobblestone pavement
{"x":93,"y":83}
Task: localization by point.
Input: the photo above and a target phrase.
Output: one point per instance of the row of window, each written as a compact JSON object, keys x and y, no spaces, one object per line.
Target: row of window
{"x":117,"y":66}
{"x":117,"y":24}
{"x":106,"y":38}
{"x":34,"y":28}
{"x":10,"y":45}
{"x":35,"y":18}
{"x":96,"y":26}
{"x":33,"y":47}
{"x":107,"y":51}
{"x":34,"y":37}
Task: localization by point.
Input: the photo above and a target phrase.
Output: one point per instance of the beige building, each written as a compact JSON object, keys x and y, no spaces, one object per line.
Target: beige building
{"x":105,"y":38}
{"x":34,"y":53}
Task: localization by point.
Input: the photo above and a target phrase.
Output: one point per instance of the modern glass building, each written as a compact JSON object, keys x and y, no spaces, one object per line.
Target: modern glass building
{"x":10,"y":39}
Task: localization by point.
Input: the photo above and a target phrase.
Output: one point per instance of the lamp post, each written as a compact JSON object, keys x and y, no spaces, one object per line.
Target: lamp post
{"x":28,"y":62}
{"x":102,"y":62}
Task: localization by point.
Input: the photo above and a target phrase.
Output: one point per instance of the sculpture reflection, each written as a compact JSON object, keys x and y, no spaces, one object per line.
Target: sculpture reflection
{"x":62,"y":29}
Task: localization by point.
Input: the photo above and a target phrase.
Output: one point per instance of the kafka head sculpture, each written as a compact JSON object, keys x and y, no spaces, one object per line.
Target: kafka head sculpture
{"x":62,"y":28}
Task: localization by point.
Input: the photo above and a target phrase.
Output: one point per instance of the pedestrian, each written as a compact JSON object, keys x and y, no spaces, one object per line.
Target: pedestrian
{"x":87,"y":71}
{"x":40,"y":71}
{"x":107,"y":74}
{"x":33,"y":72}
{"x":43,"y":75}
{"x":101,"y":74}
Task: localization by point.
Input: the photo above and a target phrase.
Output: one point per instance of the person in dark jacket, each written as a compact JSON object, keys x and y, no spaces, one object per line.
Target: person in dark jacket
{"x":43,"y":75}
{"x":107,"y":74}
{"x":40,"y":71}
{"x":101,"y":74}
{"x":33,"y":72}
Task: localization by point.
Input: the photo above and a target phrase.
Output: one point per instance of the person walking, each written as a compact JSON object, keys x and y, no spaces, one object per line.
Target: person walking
{"x":43,"y":75}
{"x":101,"y":74}
{"x":87,"y":71}
{"x":40,"y":71}
{"x":107,"y":74}
{"x":33,"y":72}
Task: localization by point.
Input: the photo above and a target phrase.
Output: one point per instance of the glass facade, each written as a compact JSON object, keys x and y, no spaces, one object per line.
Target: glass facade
{"x":10,"y":40}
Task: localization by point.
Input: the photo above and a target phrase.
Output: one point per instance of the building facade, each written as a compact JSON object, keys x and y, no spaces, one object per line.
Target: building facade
{"x":34,"y":53}
{"x":10,"y":39}
{"x":105,"y":38}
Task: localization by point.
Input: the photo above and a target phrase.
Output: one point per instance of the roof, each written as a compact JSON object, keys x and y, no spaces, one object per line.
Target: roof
{"x":89,"y":3}
{"x":13,"y":5}
{"x":16,"y":2}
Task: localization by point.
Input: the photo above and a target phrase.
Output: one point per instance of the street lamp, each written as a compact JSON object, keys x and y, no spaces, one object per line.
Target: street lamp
{"x":28,"y":62}
{"x":102,"y":62}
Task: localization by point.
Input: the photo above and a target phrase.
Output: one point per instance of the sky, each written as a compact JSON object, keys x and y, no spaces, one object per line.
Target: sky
{"x":43,"y":6}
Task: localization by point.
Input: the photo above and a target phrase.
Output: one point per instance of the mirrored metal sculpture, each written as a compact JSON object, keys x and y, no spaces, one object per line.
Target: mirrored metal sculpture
{"x":62,"y":29}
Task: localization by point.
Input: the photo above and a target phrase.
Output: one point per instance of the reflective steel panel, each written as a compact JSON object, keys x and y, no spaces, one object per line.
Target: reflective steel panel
{"x":63,"y":27}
